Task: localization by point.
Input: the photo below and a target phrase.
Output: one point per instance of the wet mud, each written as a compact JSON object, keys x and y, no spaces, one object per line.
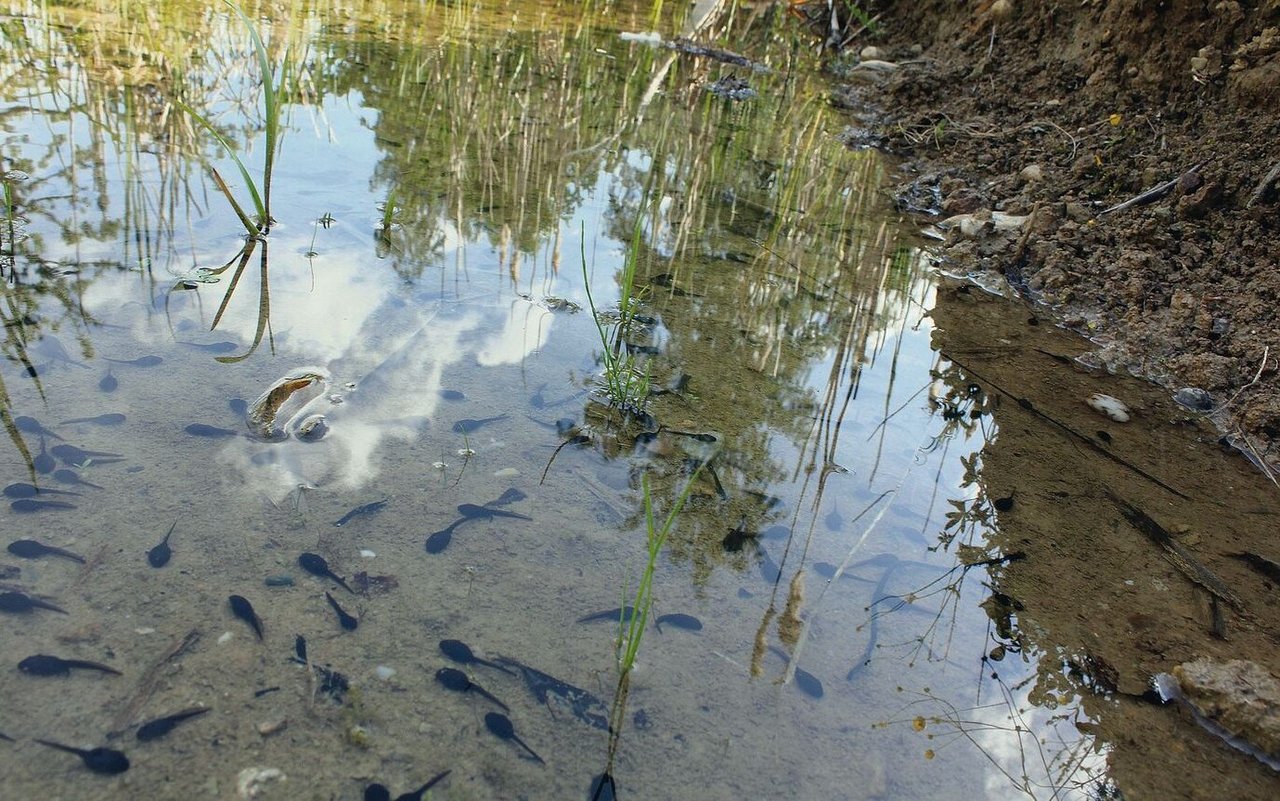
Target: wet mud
{"x":1101,"y":604}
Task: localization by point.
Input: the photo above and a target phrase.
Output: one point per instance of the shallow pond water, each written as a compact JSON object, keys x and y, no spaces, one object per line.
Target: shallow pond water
{"x":453,"y":189}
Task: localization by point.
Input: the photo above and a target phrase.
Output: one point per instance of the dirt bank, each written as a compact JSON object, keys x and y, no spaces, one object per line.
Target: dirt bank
{"x":1062,"y":111}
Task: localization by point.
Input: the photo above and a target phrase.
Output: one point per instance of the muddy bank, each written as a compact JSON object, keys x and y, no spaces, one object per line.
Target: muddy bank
{"x":1060,"y":112}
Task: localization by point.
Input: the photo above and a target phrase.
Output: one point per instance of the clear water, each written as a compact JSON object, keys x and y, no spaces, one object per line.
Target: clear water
{"x":783,"y":301}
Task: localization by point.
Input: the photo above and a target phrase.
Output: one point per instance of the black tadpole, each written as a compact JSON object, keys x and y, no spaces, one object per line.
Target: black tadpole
{"x":20,"y":603}
{"x":242,"y":609}
{"x":345,"y":618}
{"x":416,"y":795}
{"x":456,"y":680}
{"x":24,"y":490}
{"x":440,"y":540}
{"x":678,"y":620}
{"x":316,"y":565}
{"x":32,"y":549}
{"x":98,"y":760}
{"x":68,"y":476}
{"x":460,"y":652}
{"x":159,"y":727}
{"x":159,"y":555}
{"x":603,"y":787}
{"x":47,"y":665}
{"x":499,"y":725}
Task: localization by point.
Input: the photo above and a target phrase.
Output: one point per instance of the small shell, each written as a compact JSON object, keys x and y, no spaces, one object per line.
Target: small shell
{"x":1109,"y":406}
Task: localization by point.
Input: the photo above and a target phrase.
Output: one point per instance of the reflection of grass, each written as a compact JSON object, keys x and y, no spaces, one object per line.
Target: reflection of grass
{"x":1040,"y":759}
{"x":8,"y":218}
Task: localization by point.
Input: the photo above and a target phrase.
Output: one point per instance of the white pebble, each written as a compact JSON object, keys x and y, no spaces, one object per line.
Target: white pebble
{"x":365,"y":553}
{"x":225,"y":638}
{"x":144,"y":630}
{"x":383,"y":672}
{"x":1111,"y":407}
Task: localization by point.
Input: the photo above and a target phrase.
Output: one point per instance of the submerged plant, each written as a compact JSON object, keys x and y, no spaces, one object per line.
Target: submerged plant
{"x":626,"y":377}
{"x":631,"y":631}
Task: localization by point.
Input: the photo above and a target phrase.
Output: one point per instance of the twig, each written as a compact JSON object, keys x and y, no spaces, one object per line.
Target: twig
{"x":1266,"y":351}
{"x":1178,"y":555}
{"x":1265,"y":184}
{"x":1151,"y":195}
{"x":1257,"y":457}
{"x":147,"y":684}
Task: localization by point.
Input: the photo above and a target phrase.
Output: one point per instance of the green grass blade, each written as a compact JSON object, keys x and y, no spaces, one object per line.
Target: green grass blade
{"x":271,"y":103}
{"x":226,"y":191}
{"x":222,"y":140}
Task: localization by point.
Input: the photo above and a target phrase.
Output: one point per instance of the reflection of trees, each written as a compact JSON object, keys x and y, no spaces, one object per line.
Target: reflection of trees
{"x":761,"y":221}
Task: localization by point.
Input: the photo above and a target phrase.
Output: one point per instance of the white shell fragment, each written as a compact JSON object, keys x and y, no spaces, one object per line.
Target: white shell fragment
{"x":1109,"y":406}
{"x":250,"y":782}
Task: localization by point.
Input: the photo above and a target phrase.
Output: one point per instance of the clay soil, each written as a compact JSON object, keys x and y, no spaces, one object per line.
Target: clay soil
{"x":1058,"y":112}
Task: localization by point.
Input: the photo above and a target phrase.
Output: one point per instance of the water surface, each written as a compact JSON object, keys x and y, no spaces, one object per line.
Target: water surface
{"x":448,"y":185}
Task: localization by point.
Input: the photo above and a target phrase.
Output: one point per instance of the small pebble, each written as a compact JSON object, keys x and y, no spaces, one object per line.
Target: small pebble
{"x":250,"y":782}
{"x":270,"y":727}
{"x":144,"y":630}
{"x":383,"y":672}
{"x":225,"y":638}
{"x":1031,"y":173}
{"x":365,"y":553}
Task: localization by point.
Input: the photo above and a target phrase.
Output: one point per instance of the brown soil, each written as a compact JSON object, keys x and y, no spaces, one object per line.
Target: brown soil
{"x":1060,"y":111}
{"x":1107,"y":100}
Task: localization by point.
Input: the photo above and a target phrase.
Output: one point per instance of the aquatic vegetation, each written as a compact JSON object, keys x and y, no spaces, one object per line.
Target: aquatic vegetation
{"x":626,"y":375}
{"x":11,"y":238}
{"x":631,"y":627}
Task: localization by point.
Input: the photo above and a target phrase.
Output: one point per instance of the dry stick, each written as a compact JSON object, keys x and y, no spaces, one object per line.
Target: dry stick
{"x":1257,"y":457}
{"x":1264,"y":185}
{"x":1178,"y":555}
{"x":1151,"y":195}
{"x":147,"y":684}
{"x":1026,"y":404}
{"x":1266,"y":352}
